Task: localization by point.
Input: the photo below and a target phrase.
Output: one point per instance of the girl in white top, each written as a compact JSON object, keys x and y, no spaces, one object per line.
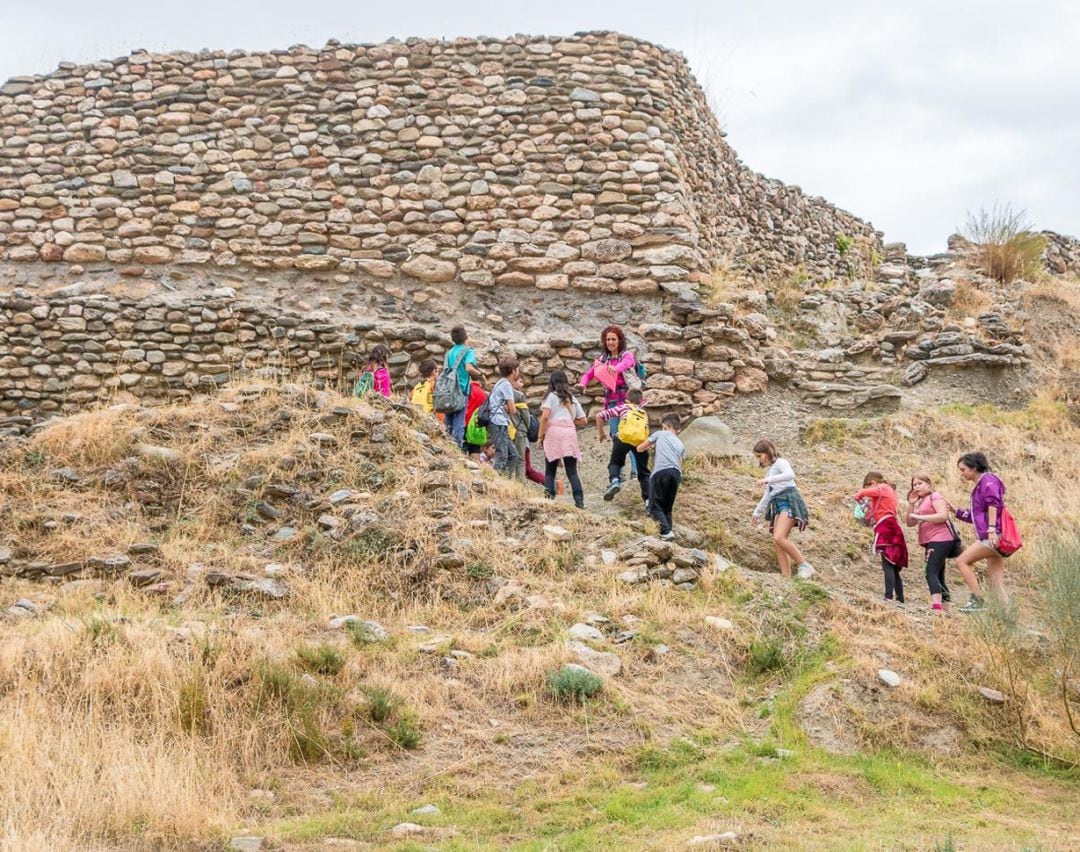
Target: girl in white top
{"x":783,"y":506}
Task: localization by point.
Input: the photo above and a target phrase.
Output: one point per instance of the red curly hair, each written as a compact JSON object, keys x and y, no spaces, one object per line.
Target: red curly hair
{"x":618,"y":332}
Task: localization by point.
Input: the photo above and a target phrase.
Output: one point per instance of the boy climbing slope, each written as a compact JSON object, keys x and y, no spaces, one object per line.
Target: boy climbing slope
{"x":667,"y":472}
{"x":633,"y":430}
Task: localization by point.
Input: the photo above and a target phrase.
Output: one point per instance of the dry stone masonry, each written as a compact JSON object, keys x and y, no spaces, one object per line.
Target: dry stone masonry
{"x":73,"y":349}
{"x":591,"y":163}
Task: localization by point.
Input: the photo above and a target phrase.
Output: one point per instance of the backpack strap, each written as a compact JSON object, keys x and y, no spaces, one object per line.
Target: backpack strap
{"x":461,"y":357}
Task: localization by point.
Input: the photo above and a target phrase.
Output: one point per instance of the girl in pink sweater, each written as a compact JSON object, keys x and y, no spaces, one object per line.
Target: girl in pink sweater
{"x":380,"y":372}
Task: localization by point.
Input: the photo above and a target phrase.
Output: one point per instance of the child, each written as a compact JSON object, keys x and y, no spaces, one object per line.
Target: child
{"x":561,"y":414}
{"x":888,"y":536}
{"x":633,"y":430}
{"x":375,"y":375}
{"x":929,"y":510}
{"x":423,"y":391}
{"x":501,"y":408}
{"x":667,"y":472}
{"x":473,"y":437}
{"x":783,"y":507}
{"x":487,"y":455}
{"x":520,"y":424}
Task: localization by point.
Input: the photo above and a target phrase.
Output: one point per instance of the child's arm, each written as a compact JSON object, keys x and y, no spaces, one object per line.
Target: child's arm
{"x":545,"y":416}
{"x":601,"y":432}
{"x":784,"y":475}
{"x":873,"y":492}
{"x":646,"y":445}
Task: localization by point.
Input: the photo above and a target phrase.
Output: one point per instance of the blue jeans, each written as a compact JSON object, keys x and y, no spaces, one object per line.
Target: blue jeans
{"x":613,"y":431}
{"x":455,"y":426}
{"x":505,"y":452}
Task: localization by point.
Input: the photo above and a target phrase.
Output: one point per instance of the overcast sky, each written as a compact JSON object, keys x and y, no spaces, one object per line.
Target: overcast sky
{"x":908,"y":114}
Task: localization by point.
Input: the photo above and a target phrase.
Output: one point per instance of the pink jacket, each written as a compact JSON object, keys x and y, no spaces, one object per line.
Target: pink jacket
{"x":625,"y":362}
{"x":381,"y":381}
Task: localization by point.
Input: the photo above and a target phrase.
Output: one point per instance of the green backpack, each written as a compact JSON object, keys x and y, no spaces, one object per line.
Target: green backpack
{"x":475,"y":433}
{"x":364,"y":383}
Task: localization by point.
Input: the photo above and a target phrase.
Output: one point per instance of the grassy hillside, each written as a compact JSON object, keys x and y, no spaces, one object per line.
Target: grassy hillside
{"x":178,"y":676}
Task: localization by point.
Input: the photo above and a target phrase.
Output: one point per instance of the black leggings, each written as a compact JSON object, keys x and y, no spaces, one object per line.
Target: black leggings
{"x":937,"y":554}
{"x":893,"y":582}
{"x":552,"y":467}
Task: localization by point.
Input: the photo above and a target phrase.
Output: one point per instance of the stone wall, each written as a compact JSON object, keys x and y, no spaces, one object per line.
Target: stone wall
{"x":590,"y":163}
{"x":1062,"y":254}
{"x":70,"y":351}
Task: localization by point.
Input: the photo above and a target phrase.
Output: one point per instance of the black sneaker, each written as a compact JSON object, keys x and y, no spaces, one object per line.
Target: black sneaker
{"x":580,"y":504}
{"x":614,"y":488}
{"x":974,"y":604}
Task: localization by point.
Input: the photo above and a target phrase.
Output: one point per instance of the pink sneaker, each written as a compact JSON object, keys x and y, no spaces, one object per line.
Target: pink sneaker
{"x":937,"y":607}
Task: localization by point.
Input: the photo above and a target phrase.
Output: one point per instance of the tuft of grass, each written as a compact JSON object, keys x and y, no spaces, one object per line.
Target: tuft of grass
{"x":381,"y":704}
{"x":479,"y":571}
{"x":766,"y":655}
{"x":193,"y":710}
{"x":1006,"y":246}
{"x":573,"y":685}
{"x":404,"y":732}
{"x":833,"y":431}
{"x":321,"y":659}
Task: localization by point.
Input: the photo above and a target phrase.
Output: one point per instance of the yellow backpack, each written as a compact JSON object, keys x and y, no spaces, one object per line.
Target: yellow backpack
{"x":634,"y":426}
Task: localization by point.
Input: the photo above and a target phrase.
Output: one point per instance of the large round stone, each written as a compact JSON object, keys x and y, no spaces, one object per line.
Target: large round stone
{"x":430,"y":269}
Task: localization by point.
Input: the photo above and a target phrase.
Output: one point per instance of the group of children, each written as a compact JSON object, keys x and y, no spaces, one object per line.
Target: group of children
{"x":500,"y":429}
{"x":996,"y":534}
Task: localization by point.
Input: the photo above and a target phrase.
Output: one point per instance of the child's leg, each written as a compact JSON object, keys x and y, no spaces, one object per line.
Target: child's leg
{"x":656,"y":488}
{"x":617,"y":460}
{"x":935,"y":569}
{"x":550,"y":469}
{"x":642,"y":460}
{"x":890,"y":578}
{"x":517,"y":469}
{"x":782,"y":526}
{"x":995,"y":577}
{"x":575,"y":481}
{"x":504,"y":449}
{"x":668,"y":505}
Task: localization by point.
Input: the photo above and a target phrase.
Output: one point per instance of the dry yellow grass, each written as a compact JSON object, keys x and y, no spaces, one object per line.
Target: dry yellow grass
{"x":113,"y":691}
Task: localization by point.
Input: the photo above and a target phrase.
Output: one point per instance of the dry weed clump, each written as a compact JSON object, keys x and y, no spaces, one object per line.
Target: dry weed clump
{"x":1006,"y":246}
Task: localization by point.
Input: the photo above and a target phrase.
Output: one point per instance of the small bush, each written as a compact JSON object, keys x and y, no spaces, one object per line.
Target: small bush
{"x":573,"y":685}
{"x":766,"y":655}
{"x":844,"y":243}
{"x":404,"y":732}
{"x":381,"y":704}
{"x":321,"y":659}
{"x":1006,"y":246}
{"x":479,"y":571}
{"x":828,"y":430}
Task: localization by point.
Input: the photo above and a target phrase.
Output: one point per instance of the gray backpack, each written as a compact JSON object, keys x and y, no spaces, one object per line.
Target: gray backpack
{"x":448,"y":397}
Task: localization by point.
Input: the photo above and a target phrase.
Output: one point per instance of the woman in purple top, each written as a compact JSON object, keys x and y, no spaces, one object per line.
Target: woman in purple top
{"x":987,"y":501}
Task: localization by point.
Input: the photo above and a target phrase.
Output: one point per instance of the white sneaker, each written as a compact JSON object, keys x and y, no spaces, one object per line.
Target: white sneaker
{"x":805,"y":571}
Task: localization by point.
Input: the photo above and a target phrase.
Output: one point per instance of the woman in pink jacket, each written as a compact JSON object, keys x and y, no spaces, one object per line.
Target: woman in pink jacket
{"x":610,"y":369}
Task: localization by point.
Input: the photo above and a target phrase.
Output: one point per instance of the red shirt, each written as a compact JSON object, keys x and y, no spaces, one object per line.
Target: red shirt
{"x":883,"y":500}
